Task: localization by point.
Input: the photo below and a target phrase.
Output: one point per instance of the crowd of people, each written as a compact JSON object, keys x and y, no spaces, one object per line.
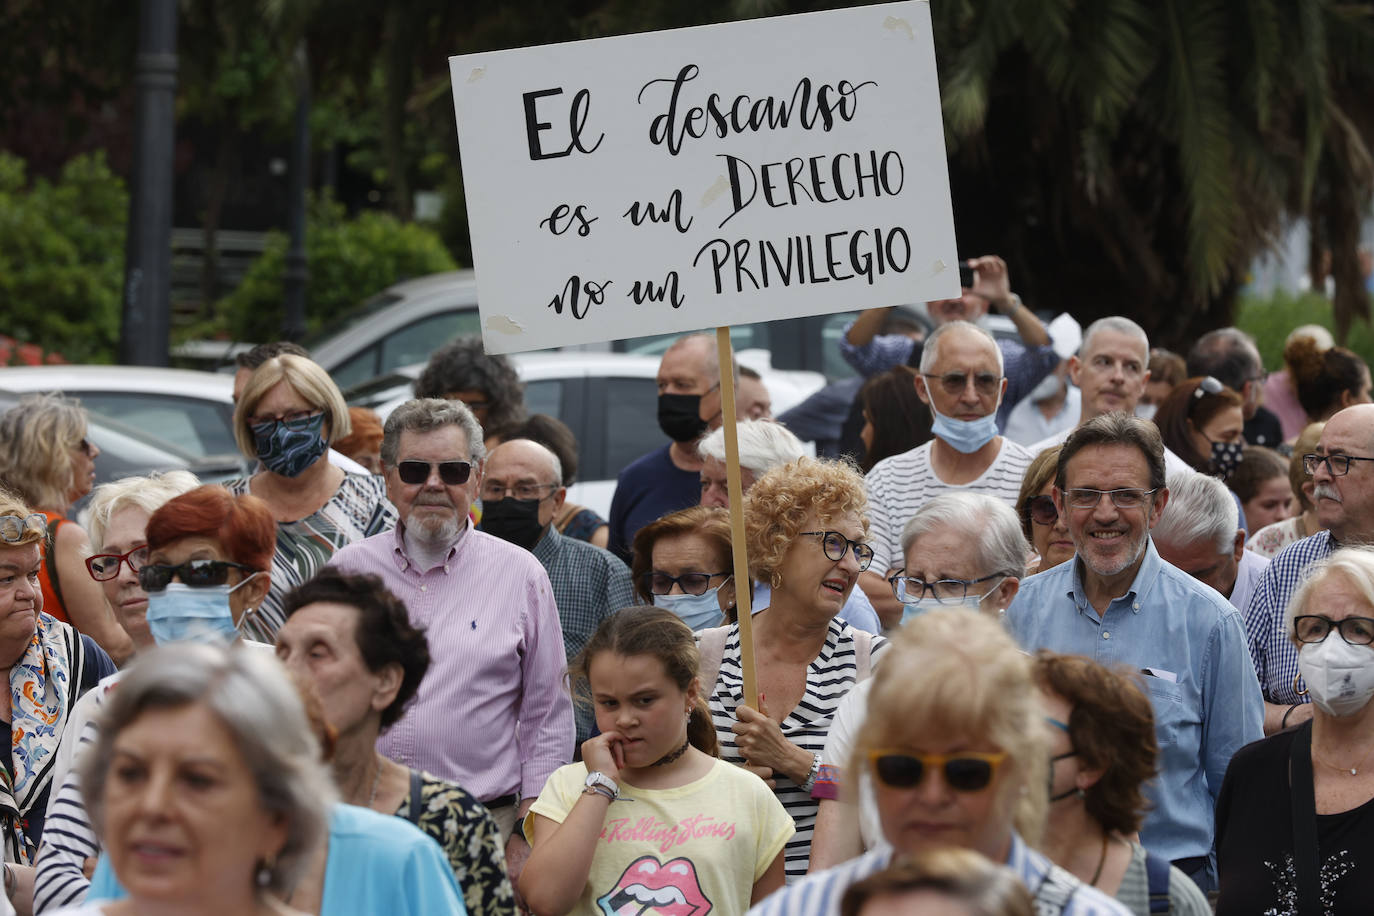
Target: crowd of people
{"x":1090,"y":635}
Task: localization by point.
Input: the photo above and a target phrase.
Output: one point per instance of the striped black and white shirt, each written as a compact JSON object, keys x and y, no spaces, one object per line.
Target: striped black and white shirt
{"x":900,"y":485}
{"x":829,"y":677}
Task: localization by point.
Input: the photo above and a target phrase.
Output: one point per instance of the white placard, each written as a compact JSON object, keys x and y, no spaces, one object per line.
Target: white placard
{"x":710,"y":176}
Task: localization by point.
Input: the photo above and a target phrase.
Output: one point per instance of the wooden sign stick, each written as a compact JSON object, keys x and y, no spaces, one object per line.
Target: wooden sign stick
{"x":743,"y":605}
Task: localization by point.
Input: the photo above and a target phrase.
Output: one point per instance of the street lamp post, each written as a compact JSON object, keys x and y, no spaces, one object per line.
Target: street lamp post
{"x":144,"y":333}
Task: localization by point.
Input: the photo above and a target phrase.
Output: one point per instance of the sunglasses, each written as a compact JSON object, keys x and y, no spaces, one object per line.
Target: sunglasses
{"x":1041,"y":510}
{"x":452,"y":473}
{"x":964,"y":772}
{"x":105,"y":566}
{"x":193,"y":573}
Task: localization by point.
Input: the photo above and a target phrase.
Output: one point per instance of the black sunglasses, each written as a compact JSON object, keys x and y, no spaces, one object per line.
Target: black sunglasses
{"x":452,"y":473}
{"x":964,"y":772}
{"x":1040,"y":509}
{"x":193,"y":573}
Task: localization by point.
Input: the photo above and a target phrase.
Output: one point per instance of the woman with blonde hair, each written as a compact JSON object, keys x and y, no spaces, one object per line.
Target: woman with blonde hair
{"x":805,"y":525}
{"x":47,"y":459}
{"x":955,"y":746}
{"x":289,"y":413}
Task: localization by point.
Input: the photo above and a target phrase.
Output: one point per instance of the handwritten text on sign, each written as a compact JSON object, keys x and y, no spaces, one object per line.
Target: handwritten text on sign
{"x":702,"y":177}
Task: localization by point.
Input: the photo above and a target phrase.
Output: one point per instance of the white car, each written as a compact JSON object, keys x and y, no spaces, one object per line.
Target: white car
{"x":193,"y":411}
{"x":609,"y":400}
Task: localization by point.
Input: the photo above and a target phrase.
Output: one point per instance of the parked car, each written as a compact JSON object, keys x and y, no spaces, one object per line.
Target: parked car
{"x":193,"y":411}
{"x":406,"y":322}
{"x":609,"y":400}
{"x":127,"y":450}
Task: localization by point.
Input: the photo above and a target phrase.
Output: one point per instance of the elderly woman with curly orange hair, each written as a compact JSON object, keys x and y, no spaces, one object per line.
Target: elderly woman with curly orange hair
{"x":805,"y":526}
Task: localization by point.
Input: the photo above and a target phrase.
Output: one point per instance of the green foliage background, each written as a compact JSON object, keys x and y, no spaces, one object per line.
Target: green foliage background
{"x":62,"y":257}
{"x":348,"y":260}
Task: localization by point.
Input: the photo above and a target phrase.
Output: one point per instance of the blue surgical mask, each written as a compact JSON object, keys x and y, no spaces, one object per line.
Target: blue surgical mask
{"x":966,"y":436}
{"x":697,"y":611}
{"x":180,"y":613}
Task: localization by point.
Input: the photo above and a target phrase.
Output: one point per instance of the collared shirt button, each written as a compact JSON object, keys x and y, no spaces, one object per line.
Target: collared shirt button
{"x":424,"y":588}
{"x":446,"y":570}
{"x":1136,"y":605}
{"x":1106,"y":635}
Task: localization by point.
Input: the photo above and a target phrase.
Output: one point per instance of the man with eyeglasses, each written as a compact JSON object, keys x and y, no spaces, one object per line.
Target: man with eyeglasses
{"x":961,"y":379}
{"x":870,"y":350}
{"x":665,"y":480}
{"x":1230,"y":356}
{"x":1111,"y":370}
{"x":1342,"y":471}
{"x":522,"y":493}
{"x":1121,"y":605}
{"x":493,"y":714}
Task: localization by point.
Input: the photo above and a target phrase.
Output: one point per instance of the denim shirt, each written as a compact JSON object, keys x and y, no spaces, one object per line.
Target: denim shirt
{"x":1189,"y":644}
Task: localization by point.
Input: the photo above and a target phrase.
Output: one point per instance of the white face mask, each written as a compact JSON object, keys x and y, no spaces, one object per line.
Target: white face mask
{"x":1339,"y":676}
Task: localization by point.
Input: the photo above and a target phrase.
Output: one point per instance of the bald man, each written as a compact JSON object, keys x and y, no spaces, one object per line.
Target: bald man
{"x":522,"y":493}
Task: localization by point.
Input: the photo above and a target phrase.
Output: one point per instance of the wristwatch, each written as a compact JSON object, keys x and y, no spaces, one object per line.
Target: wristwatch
{"x":1013,"y":303}
{"x":602,"y":784}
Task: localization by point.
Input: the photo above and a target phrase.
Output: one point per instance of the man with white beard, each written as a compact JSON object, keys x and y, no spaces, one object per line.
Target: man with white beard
{"x":492,"y":713}
{"x":1120,"y":605}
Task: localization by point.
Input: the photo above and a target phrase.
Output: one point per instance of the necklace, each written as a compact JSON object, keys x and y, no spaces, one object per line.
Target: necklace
{"x":1101,"y":860}
{"x":376,"y":784}
{"x":1353,"y":771}
{"x":669,"y":758}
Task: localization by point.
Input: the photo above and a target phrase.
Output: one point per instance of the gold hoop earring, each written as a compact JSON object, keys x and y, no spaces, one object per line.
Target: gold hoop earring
{"x":1297,"y":677}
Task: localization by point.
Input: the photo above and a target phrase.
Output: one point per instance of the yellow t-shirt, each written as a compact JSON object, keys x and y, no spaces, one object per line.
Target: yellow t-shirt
{"x":688,"y":851}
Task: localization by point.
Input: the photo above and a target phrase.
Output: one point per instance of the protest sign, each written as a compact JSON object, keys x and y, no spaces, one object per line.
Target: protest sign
{"x":702,"y":177}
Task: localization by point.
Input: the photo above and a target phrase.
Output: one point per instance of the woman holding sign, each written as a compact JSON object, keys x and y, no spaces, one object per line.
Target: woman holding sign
{"x":805,"y":527}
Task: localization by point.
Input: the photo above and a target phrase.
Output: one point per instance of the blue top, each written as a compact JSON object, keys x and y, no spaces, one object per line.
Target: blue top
{"x":649,"y":488}
{"x":819,"y":894}
{"x":1189,"y":643}
{"x":377,"y":864}
{"x":858,"y":611}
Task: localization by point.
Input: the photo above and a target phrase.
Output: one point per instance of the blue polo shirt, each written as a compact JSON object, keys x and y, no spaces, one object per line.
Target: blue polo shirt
{"x":1189,"y":643}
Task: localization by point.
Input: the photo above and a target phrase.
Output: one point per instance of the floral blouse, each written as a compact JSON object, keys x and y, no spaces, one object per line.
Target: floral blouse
{"x":464,"y":829}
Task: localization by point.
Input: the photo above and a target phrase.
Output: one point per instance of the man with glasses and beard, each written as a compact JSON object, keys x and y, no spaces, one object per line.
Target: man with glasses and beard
{"x":1342,"y":472}
{"x":1119,"y":604}
{"x":492,"y":714}
{"x":962,"y":381}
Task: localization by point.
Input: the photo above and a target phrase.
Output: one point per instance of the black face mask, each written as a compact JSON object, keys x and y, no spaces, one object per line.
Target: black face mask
{"x":513,"y":520}
{"x":679,"y":416}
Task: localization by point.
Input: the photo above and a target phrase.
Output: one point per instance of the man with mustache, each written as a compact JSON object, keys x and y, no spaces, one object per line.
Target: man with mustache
{"x":1342,"y":472}
{"x":1119,"y":604}
{"x":492,"y":714}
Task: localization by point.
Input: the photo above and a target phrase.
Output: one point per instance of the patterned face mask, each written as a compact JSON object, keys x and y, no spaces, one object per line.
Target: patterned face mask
{"x":289,"y":448}
{"x":1226,"y":458}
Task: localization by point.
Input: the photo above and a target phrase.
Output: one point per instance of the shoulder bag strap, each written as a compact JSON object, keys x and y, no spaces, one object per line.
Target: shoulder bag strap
{"x":1304,"y":805}
{"x":711,"y":644}
{"x":863,"y":654}
{"x":1157,"y":875}
{"x":50,"y":561}
{"x":416,"y":791}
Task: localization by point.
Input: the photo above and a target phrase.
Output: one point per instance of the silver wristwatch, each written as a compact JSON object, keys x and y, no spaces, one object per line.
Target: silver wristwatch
{"x":597,"y":781}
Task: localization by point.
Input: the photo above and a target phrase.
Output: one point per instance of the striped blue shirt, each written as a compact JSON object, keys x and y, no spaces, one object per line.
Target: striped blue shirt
{"x":819,"y":894}
{"x":1266,"y":628}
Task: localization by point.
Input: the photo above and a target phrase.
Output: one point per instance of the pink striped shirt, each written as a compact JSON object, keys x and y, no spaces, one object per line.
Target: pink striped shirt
{"x":492,"y":713}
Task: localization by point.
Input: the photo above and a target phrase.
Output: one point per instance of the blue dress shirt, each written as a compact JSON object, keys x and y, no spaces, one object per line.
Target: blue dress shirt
{"x":1189,"y":643}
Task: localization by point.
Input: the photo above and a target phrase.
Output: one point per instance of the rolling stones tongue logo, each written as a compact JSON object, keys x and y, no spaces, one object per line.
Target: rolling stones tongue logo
{"x":648,"y":886}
